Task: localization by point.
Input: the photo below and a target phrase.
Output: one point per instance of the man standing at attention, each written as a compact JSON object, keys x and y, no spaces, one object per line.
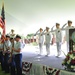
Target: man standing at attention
{"x":17,"y":51}
{"x":67,"y":32}
{"x":41,"y":39}
{"x":7,"y":50}
{"x":58,"y":34}
{"x":47,"y":40}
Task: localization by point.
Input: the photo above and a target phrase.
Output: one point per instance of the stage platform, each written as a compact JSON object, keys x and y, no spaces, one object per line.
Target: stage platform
{"x":30,"y":54}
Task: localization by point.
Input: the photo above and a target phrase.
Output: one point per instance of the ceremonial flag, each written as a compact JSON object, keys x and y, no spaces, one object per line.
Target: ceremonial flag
{"x":2,"y":20}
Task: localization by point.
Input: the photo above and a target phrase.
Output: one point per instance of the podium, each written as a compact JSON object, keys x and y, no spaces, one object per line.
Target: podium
{"x":71,"y":39}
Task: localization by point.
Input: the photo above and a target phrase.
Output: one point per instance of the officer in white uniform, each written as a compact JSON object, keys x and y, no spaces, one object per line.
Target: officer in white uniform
{"x":12,"y":34}
{"x":58,"y":38}
{"x":41,"y":39}
{"x":67,"y":33}
{"x":47,"y":40}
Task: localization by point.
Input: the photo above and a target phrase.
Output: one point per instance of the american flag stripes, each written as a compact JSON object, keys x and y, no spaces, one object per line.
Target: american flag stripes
{"x":2,"y":20}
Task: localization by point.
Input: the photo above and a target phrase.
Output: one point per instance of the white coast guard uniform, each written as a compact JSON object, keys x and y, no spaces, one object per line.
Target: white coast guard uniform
{"x":41,"y":40}
{"x":12,"y":35}
{"x":58,"y":40}
{"x":47,"y":42}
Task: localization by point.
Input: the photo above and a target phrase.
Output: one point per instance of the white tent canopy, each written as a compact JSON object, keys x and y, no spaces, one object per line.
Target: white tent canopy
{"x":27,"y":16}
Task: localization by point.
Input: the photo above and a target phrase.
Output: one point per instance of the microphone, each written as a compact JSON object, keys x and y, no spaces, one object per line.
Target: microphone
{"x":64,"y":25}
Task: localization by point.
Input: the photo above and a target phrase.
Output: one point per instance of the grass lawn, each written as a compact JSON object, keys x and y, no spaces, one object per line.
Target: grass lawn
{"x":1,"y":72}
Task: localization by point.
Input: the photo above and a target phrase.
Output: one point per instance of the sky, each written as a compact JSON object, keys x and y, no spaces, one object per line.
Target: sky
{"x":27,"y":16}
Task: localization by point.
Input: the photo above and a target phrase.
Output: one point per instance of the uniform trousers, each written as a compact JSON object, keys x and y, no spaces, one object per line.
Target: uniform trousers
{"x":12,"y":66}
{"x":58,"y":48}
{"x":6,"y":64}
{"x":18,"y":63}
{"x":2,"y":60}
{"x":48,"y":48}
{"x":40,"y":47}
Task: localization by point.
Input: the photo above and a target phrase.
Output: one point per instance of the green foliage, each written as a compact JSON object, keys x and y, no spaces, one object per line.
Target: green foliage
{"x":34,"y":43}
{"x":29,"y":36}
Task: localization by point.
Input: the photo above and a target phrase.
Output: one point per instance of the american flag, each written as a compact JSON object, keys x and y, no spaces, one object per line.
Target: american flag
{"x":2,"y":20}
{"x":1,"y":23}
